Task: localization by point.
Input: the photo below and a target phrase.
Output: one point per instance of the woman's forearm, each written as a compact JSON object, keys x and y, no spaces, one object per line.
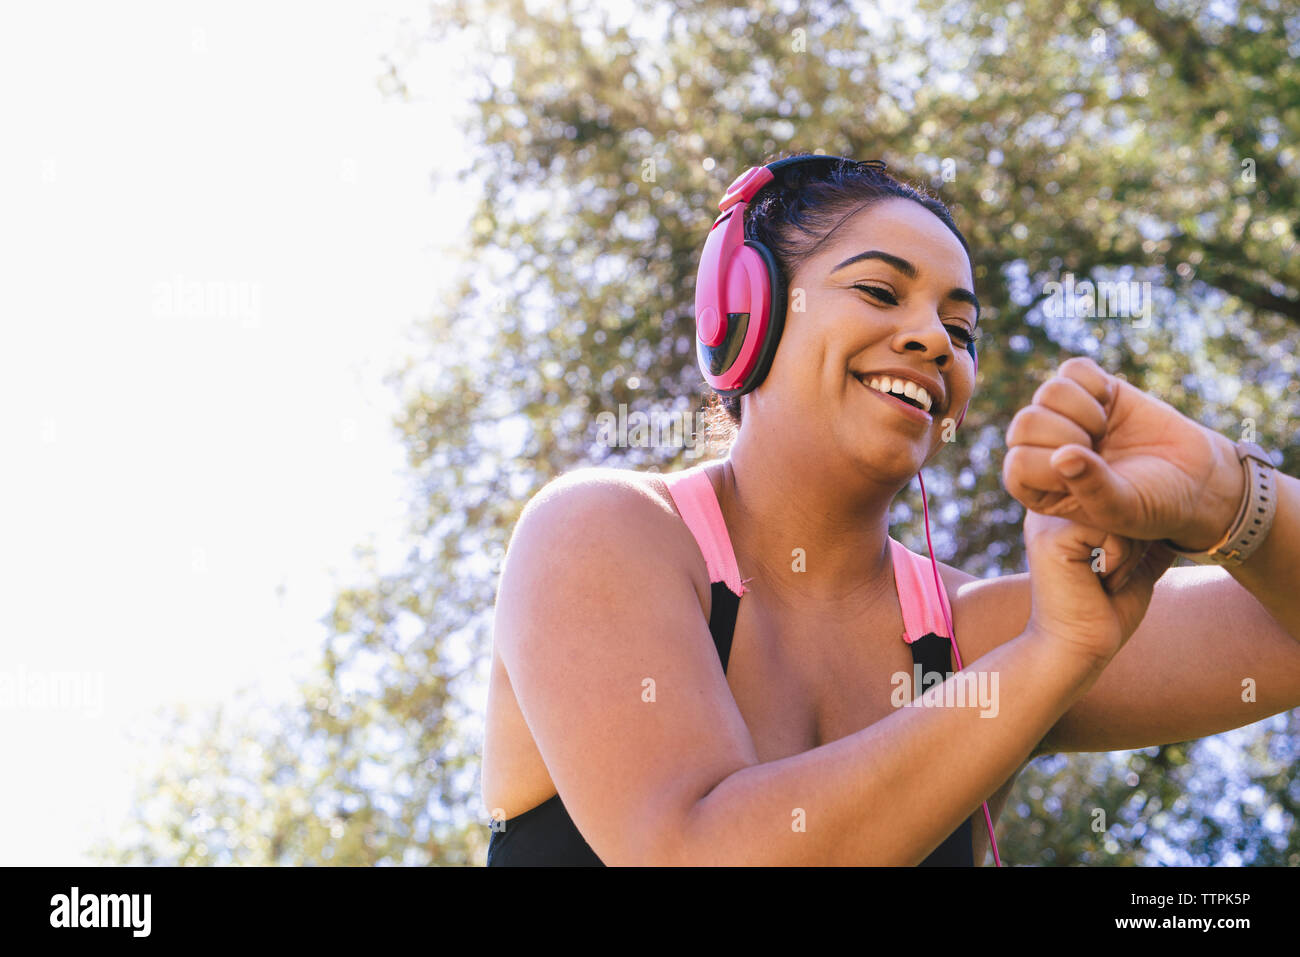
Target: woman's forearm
{"x":1270,"y":572}
{"x":892,"y":792}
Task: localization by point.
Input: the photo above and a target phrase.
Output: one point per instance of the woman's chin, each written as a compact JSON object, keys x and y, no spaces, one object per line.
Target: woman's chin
{"x":885,"y":453}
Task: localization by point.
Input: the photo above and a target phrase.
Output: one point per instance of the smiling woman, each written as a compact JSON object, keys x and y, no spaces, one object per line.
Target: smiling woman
{"x":703,"y":668}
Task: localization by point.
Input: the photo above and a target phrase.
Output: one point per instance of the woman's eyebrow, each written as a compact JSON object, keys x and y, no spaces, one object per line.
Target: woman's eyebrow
{"x":907,"y":269}
{"x":902,"y":265}
{"x":965,"y":295}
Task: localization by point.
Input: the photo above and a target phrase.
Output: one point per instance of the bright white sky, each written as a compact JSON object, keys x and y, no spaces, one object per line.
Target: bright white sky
{"x":182,"y":478}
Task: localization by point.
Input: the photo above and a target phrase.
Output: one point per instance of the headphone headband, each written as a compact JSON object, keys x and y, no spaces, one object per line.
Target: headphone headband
{"x":749,"y":183}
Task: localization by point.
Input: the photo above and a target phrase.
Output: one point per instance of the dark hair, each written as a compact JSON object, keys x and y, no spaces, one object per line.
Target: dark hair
{"x":797,"y":213}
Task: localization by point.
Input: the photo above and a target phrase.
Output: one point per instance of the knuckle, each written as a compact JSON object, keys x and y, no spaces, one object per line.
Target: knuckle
{"x":1010,"y":478}
{"x":1026,"y":413}
{"x":1045,"y":392}
{"x":1015,"y":427}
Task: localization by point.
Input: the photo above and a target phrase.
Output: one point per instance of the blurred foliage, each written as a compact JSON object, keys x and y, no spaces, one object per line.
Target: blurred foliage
{"x":1231,"y":799}
{"x":1116,"y":140}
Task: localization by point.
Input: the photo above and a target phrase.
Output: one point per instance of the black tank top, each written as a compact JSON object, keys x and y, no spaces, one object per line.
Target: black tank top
{"x":546,"y":836}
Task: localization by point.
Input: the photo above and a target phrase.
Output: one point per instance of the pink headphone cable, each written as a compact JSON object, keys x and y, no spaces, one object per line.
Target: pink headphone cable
{"x":952,"y":637}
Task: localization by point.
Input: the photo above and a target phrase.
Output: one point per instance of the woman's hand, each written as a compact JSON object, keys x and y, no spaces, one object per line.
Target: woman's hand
{"x":1146,"y":471}
{"x":1070,"y":605}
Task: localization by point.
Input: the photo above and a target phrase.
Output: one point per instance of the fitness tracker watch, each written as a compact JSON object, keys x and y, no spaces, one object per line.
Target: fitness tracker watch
{"x":1254,"y":516}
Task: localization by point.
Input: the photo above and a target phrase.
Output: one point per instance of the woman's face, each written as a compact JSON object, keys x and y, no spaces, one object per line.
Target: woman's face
{"x":905,"y":310}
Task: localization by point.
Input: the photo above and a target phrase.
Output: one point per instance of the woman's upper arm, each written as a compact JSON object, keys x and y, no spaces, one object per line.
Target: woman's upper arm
{"x":1207,"y":658}
{"x":1182,"y":675}
{"x":600,"y":628}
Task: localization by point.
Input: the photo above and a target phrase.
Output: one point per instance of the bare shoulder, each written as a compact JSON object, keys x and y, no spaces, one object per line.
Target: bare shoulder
{"x":598,"y":518}
{"x":596,"y":486}
{"x":598,"y":507}
{"x":954,"y":578}
{"x":598,"y":617}
{"x":986,"y":611}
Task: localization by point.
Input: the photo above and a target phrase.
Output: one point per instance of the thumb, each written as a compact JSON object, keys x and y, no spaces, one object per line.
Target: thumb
{"x":1090,"y":480}
{"x":1155,"y":561}
{"x":1134,"y":597}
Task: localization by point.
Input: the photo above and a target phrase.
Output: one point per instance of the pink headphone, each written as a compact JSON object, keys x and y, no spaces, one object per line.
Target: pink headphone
{"x":740,"y":304}
{"x":740,"y":295}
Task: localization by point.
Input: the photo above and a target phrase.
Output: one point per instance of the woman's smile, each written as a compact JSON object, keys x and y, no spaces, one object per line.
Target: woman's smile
{"x":901,"y":402}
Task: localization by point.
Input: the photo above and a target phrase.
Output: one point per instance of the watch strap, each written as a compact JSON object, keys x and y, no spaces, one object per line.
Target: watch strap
{"x":1254,"y":516}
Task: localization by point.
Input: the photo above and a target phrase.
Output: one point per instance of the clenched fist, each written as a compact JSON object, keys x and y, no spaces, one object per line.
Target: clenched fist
{"x":1093,"y":449}
{"x":1071,"y":605}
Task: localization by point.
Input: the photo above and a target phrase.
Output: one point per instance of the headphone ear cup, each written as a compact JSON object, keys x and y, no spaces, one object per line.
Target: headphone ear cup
{"x":728,"y":365}
{"x":775,"y":321}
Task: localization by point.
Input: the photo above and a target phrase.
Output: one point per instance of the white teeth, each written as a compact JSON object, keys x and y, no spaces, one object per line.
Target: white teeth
{"x":886,"y":383}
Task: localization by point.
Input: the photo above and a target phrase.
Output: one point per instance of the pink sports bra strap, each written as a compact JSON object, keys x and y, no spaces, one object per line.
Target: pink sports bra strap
{"x":914,"y":578}
{"x":693,"y":494}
